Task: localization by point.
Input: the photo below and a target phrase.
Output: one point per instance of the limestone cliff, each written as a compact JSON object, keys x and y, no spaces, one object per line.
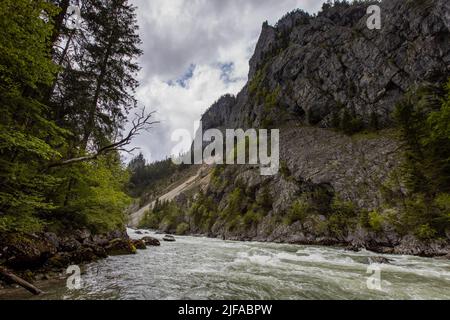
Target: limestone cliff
{"x":307,"y":74}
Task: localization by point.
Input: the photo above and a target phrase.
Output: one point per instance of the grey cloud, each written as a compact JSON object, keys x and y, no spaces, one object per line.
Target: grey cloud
{"x":177,"y":34}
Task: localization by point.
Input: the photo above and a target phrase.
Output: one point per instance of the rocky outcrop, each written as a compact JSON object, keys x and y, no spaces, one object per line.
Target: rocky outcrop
{"x":323,"y":65}
{"x":26,"y":251}
{"x":139,"y":244}
{"x":48,"y":251}
{"x":307,"y":75}
{"x":118,"y":247}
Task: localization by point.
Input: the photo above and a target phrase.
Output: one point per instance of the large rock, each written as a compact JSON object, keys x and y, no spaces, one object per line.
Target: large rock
{"x":150,"y":241}
{"x":63,"y":259}
{"x":139,"y":244}
{"x":69,"y":244}
{"x":25,"y":251}
{"x":120,"y":246}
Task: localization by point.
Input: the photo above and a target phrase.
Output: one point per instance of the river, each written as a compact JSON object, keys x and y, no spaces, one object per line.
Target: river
{"x":201,"y":268}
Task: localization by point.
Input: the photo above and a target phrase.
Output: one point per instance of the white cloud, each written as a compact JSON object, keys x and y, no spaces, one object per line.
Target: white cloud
{"x":207,"y":34}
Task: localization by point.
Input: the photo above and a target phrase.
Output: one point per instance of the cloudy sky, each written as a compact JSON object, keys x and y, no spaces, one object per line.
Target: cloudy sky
{"x":194,"y":52}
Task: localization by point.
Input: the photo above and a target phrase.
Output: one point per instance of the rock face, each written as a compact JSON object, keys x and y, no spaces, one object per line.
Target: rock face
{"x":332,"y":62}
{"x":306,"y":72}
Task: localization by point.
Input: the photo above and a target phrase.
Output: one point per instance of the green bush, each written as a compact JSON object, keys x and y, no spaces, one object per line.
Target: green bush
{"x":271,"y":99}
{"x":182,"y":229}
{"x":298,"y":212}
{"x":425,"y":232}
{"x":344,"y":217}
{"x":251,"y":218}
{"x":376,"y":221}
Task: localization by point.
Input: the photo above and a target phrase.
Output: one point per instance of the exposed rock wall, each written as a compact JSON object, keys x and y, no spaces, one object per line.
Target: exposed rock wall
{"x":307,"y":70}
{"x":332,"y":62}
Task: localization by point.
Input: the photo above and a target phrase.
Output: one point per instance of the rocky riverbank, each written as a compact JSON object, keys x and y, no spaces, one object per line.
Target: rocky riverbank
{"x":44,"y":256}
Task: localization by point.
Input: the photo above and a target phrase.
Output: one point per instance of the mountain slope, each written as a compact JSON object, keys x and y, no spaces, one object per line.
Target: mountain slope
{"x":331,"y":86}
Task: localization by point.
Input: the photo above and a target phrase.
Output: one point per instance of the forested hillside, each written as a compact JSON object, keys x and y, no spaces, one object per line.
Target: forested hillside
{"x":66,"y":90}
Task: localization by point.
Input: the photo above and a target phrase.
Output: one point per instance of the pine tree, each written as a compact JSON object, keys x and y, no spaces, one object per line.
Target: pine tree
{"x":109,"y":62}
{"x":55,"y":87}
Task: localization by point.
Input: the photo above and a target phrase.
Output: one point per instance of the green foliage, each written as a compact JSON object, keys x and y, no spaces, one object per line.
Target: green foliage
{"x":423,"y":120}
{"x":351,"y":123}
{"x":216,"y":176}
{"x":165,"y":216}
{"x":425,"y":232}
{"x":182,"y":229}
{"x":97,"y":198}
{"x":257,"y":81}
{"x":27,"y":138}
{"x":151,"y":220}
{"x":145,"y":176}
{"x":271,"y":99}
{"x":236,"y":205}
{"x":264,"y":199}
{"x":40,"y":126}
{"x":251,"y":218}
{"x":299,"y":211}
{"x":203,"y":212}
{"x":344,"y":217}
{"x":24,"y":50}
{"x":284,"y":171}
{"x":376,"y":221}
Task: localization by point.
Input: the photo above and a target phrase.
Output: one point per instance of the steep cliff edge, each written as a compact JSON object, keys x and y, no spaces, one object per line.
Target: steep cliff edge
{"x":310,"y":68}
{"x":331,"y":86}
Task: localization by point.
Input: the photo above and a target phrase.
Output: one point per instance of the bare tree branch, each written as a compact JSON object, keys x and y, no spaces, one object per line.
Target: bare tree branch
{"x":141,"y":123}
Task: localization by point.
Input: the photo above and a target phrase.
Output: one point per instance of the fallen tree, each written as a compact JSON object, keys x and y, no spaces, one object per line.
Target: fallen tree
{"x":21,"y":282}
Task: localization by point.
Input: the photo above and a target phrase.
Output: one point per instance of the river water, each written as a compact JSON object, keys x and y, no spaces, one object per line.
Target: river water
{"x":201,"y":268}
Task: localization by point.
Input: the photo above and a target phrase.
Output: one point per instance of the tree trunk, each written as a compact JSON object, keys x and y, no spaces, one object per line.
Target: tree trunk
{"x":20,"y":281}
{"x":59,"y":21}
{"x":90,"y":125}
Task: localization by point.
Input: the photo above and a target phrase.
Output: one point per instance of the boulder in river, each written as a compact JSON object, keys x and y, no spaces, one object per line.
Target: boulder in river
{"x":169,"y":238}
{"x":150,"y":241}
{"x":119,"y":247}
{"x":139,"y":244}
